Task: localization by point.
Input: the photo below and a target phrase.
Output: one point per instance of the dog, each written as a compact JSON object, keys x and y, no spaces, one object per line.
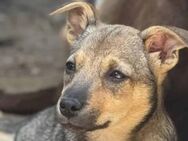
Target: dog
{"x":112,"y":82}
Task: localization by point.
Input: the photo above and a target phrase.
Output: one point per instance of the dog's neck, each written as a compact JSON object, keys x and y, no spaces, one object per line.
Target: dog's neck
{"x":158,"y":127}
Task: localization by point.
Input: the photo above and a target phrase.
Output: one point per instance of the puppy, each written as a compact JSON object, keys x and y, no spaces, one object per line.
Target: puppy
{"x":112,"y":83}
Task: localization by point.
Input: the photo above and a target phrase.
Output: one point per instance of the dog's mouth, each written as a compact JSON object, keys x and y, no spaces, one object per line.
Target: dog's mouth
{"x":83,"y":122}
{"x":72,"y":126}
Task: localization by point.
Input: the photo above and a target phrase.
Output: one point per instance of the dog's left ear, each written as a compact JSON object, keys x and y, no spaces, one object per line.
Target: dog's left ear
{"x":80,"y":16}
{"x":162,"y":45}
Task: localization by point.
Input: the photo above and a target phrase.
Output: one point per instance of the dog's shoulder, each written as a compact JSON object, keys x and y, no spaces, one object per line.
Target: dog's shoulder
{"x":42,"y":127}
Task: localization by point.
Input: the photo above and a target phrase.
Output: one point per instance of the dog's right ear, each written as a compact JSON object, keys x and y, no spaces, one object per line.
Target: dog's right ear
{"x":80,"y":16}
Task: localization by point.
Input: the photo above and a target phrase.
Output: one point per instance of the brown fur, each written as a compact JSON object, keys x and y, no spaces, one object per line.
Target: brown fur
{"x":133,"y":108}
{"x":143,"y":13}
{"x":125,"y":119}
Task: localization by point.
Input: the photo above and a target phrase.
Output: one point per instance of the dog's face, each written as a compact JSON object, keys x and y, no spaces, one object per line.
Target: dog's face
{"x":110,"y":76}
{"x":106,"y":78}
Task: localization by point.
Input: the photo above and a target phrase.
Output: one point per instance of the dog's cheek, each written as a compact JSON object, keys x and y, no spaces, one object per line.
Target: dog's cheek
{"x":89,"y":117}
{"x":97,"y":101}
{"x":112,"y":107}
{"x":118,"y":105}
{"x":130,"y":105}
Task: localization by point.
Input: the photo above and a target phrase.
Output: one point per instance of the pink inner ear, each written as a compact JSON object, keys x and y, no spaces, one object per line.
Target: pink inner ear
{"x":163,"y":43}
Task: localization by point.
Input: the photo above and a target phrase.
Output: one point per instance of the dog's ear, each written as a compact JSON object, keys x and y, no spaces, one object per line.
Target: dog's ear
{"x":80,"y":16}
{"x":162,"y":45}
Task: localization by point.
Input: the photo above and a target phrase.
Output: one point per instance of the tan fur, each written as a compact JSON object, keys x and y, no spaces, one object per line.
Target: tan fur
{"x":101,"y":48}
{"x":161,"y":68}
{"x":123,"y":120}
{"x":84,"y":16}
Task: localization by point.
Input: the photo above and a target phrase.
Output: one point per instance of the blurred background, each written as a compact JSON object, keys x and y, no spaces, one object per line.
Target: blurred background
{"x":32,"y":55}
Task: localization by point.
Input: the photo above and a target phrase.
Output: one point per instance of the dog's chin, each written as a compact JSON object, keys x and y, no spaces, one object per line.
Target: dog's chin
{"x":86,"y":128}
{"x":82,"y":123}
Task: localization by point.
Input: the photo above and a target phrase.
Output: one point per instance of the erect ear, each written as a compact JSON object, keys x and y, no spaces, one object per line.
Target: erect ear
{"x":80,"y":15}
{"x":163,"y":46}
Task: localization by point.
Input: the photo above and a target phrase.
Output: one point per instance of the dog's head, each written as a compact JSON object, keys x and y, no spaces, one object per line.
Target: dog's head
{"x":113,"y":72}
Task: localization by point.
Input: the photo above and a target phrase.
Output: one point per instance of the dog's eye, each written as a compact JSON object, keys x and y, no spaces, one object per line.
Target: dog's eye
{"x":70,"y":67}
{"x":117,"y":76}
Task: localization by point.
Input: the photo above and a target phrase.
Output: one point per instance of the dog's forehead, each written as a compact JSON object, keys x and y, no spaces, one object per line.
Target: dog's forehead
{"x":118,"y":43}
{"x":113,"y":39}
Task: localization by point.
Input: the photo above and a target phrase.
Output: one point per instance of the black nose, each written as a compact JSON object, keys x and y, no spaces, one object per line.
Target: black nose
{"x":69,"y":107}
